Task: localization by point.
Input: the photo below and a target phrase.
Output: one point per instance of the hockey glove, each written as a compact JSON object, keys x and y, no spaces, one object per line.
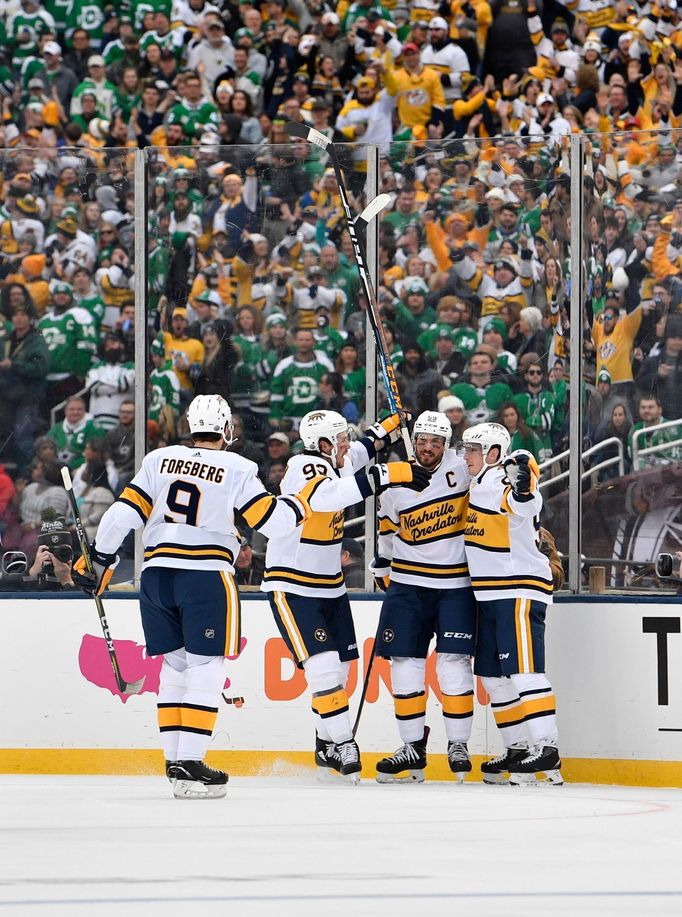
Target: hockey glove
{"x":398,"y":474}
{"x":380,"y":568}
{"x":385,"y":432}
{"x":521,"y":467}
{"x":103,"y":569}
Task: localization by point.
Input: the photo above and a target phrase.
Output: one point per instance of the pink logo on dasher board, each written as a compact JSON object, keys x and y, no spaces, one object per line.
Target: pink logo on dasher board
{"x":134,"y":663}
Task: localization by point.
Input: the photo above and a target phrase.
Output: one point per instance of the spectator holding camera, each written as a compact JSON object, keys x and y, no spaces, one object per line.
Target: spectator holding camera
{"x":44,"y":491}
{"x":51,"y":568}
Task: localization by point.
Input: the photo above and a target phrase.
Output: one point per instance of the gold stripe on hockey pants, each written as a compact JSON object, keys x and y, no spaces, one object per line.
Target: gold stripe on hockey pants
{"x":287,"y":618}
{"x":233,"y":613}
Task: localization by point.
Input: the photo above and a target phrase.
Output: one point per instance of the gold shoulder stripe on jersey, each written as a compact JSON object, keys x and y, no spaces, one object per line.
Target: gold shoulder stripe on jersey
{"x":138,"y":500}
{"x":257,"y":511}
{"x":387,"y":525}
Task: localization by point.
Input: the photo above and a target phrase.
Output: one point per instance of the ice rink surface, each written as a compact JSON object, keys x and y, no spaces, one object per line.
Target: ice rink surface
{"x":94,"y":846}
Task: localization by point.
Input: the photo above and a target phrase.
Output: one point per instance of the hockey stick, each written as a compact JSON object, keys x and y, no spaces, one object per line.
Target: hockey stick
{"x":304,"y":132}
{"x":125,"y":687}
{"x":365,"y":685}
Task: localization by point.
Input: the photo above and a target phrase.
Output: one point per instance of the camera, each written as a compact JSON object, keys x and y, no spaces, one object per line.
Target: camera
{"x":667,"y":565}
{"x":55,"y":536}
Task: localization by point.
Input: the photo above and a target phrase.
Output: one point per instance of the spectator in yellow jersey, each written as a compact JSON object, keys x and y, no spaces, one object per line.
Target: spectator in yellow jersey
{"x":185,"y":353}
{"x":421,"y":100}
{"x":614,"y":338}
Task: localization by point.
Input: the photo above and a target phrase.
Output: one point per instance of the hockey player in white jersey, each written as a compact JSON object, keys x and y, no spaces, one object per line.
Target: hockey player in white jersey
{"x":303,"y":575}
{"x":421,"y":559}
{"x":512,"y":581}
{"x":186,"y":498}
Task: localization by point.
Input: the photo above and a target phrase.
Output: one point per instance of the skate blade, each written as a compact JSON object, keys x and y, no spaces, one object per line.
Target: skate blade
{"x":329,"y":775}
{"x":459,"y":777}
{"x":496,"y":779}
{"x":542,"y":778}
{"x":192,"y":789}
{"x":402,"y":777}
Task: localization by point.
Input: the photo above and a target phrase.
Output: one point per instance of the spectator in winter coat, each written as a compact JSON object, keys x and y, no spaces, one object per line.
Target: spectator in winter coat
{"x":661,"y":374}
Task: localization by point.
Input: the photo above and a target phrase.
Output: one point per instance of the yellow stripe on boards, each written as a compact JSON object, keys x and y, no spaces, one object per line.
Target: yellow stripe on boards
{"x":290,"y":625}
{"x":269,"y":763}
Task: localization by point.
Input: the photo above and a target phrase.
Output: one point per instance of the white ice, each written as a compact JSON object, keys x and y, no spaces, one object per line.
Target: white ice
{"x":101,"y":846}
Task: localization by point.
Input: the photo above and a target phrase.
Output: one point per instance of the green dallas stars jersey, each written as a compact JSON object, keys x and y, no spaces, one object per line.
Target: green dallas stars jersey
{"x":71,"y":339}
{"x":293,"y":389}
{"x":89,"y":16}
{"x":71,"y":441}
{"x":25,"y":31}
{"x":165,"y":390}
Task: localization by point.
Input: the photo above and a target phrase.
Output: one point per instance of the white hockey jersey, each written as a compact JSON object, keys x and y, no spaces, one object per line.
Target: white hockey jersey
{"x":450,"y":60}
{"x":186,"y":497}
{"x":307,"y":561}
{"x":501,"y":541}
{"x":423,"y":534}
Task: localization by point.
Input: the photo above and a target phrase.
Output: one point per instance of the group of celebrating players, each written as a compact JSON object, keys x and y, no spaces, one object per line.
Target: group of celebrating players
{"x":446,"y":520}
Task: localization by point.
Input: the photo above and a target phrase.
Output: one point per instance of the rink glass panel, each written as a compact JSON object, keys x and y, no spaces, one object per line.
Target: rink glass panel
{"x":631,"y":512}
{"x":64,"y":209}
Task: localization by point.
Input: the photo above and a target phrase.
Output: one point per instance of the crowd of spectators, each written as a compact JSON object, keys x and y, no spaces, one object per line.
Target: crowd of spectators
{"x":252,"y":289}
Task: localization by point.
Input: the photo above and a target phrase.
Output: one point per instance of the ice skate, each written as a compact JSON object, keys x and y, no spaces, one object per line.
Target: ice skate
{"x":327,"y":760}
{"x":195,"y":780}
{"x":349,"y":753}
{"x":169,"y":770}
{"x":542,"y":764}
{"x":406,"y":765}
{"x":495,"y":771}
{"x":458,"y":760}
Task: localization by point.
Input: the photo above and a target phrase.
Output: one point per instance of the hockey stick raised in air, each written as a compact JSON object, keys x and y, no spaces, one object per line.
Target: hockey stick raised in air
{"x":125,"y":687}
{"x":304,"y":132}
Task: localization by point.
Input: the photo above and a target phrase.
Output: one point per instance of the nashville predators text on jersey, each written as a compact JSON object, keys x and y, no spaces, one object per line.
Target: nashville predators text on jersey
{"x":425,"y":539}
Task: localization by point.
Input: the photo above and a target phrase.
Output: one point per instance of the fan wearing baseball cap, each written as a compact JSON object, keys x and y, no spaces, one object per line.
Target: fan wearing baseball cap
{"x":419,"y":95}
{"x":446,"y":58}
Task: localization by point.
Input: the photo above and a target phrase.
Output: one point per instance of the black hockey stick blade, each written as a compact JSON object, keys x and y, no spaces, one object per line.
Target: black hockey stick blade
{"x":297,"y":129}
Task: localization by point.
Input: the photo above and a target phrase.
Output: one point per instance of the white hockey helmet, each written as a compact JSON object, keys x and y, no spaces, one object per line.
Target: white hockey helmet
{"x":487,"y":435}
{"x":434,"y":423}
{"x":210,"y":414}
{"x":317,"y":425}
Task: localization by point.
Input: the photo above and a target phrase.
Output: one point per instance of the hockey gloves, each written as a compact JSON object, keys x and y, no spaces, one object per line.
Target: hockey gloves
{"x":380,"y":568}
{"x":385,"y":432}
{"x":523,"y":472}
{"x":398,"y":474}
{"x":103,"y":569}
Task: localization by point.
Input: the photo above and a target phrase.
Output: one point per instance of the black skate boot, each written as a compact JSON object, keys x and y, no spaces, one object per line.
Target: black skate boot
{"x":458,"y":760}
{"x":495,"y":771}
{"x":406,"y":765}
{"x":196,"y":780}
{"x":349,"y":753}
{"x":327,"y":759}
{"x":541,"y":764}
{"x":169,"y":770}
